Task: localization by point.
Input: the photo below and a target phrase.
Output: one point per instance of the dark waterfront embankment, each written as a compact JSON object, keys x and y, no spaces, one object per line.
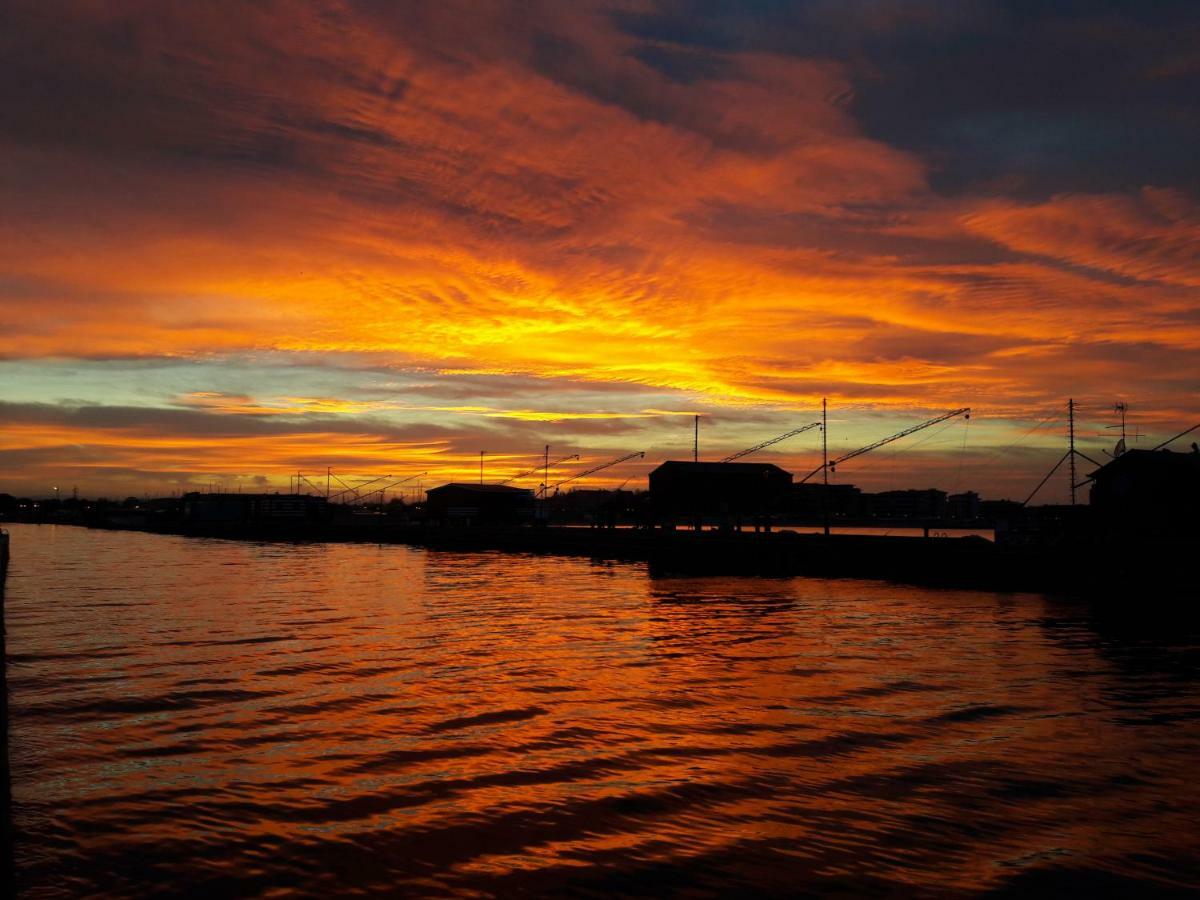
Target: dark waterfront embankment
{"x":1092,"y":566}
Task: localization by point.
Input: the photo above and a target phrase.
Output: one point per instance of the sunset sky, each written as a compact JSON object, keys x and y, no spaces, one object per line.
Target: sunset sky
{"x":239,"y":240}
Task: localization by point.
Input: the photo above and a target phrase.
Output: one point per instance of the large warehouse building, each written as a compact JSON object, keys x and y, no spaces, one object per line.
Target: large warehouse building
{"x":722,"y":494}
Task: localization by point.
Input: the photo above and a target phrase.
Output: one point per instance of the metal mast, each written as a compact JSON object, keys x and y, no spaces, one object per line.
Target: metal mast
{"x":1068,"y":457}
{"x":825,"y":462}
{"x":696,"y":439}
{"x":1071,"y":443}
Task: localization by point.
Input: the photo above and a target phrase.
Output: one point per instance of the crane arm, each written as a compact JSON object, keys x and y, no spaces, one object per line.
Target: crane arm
{"x":389,"y":486}
{"x":1177,"y":437}
{"x":966,"y":410}
{"x":357,"y":488}
{"x":833,"y":463}
{"x":774,"y":440}
{"x":408,"y":478}
{"x":308,"y":481}
{"x":538,"y":468}
{"x":594,"y":469}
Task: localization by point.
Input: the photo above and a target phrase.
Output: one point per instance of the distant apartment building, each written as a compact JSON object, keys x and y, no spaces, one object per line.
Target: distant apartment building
{"x":238,"y":508}
{"x":963,"y":507}
{"x":997,"y":511}
{"x":595,"y":506}
{"x":912,"y":504}
{"x":810,"y":501}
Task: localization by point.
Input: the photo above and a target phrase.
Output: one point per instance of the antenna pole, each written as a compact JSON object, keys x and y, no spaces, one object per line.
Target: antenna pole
{"x":696,"y":439}
{"x":481,"y":452}
{"x":1071,"y":452}
{"x":545,"y":471}
{"x":825,"y":462}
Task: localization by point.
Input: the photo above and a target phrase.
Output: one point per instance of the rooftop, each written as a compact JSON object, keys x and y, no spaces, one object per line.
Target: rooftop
{"x":719,"y":468}
{"x":1143,"y":459}
{"x":480,"y":488}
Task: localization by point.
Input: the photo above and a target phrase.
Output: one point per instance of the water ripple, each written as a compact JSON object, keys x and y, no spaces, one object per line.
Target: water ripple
{"x":207,"y":718}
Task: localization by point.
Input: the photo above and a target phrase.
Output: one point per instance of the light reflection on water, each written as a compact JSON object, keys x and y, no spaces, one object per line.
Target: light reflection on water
{"x":220,"y":718}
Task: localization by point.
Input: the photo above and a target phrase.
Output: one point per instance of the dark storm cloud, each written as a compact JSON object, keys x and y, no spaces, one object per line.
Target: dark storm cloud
{"x":1028,"y":97}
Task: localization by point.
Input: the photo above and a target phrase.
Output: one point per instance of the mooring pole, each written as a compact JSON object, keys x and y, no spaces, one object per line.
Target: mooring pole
{"x":825,"y":462}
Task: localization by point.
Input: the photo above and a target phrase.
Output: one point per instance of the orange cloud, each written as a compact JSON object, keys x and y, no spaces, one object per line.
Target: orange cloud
{"x":530,"y":197}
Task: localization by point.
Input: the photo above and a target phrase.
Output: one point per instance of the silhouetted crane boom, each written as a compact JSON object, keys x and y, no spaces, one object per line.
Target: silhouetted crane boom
{"x":358,"y":488}
{"x":1177,"y":437}
{"x":538,"y":468}
{"x":774,"y":440}
{"x":834,"y":463}
{"x":600,"y":468}
{"x":390,"y":485}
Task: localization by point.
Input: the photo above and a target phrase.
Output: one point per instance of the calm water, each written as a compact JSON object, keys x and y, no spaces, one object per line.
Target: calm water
{"x":224,"y":719}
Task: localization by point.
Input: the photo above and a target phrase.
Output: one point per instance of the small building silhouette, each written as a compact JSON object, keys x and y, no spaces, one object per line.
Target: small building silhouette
{"x":725,"y":494}
{"x":461,"y":503}
{"x":1148,"y":491}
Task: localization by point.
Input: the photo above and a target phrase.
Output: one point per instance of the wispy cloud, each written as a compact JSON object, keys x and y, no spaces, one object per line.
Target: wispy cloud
{"x":646,"y":206}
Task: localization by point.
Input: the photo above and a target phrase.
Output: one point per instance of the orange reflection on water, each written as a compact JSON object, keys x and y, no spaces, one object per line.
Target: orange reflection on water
{"x":368,"y":718}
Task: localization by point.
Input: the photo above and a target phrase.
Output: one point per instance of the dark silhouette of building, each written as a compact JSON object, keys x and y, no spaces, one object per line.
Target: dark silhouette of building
{"x":238,"y":508}
{"x":1000,"y":510}
{"x":963,"y":507}
{"x":1145,"y":491}
{"x":479,"y":504}
{"x":597,"y":507}
{"x":810,"y":501}
{"x":915,"y":504}
{"x":725,"y":494}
